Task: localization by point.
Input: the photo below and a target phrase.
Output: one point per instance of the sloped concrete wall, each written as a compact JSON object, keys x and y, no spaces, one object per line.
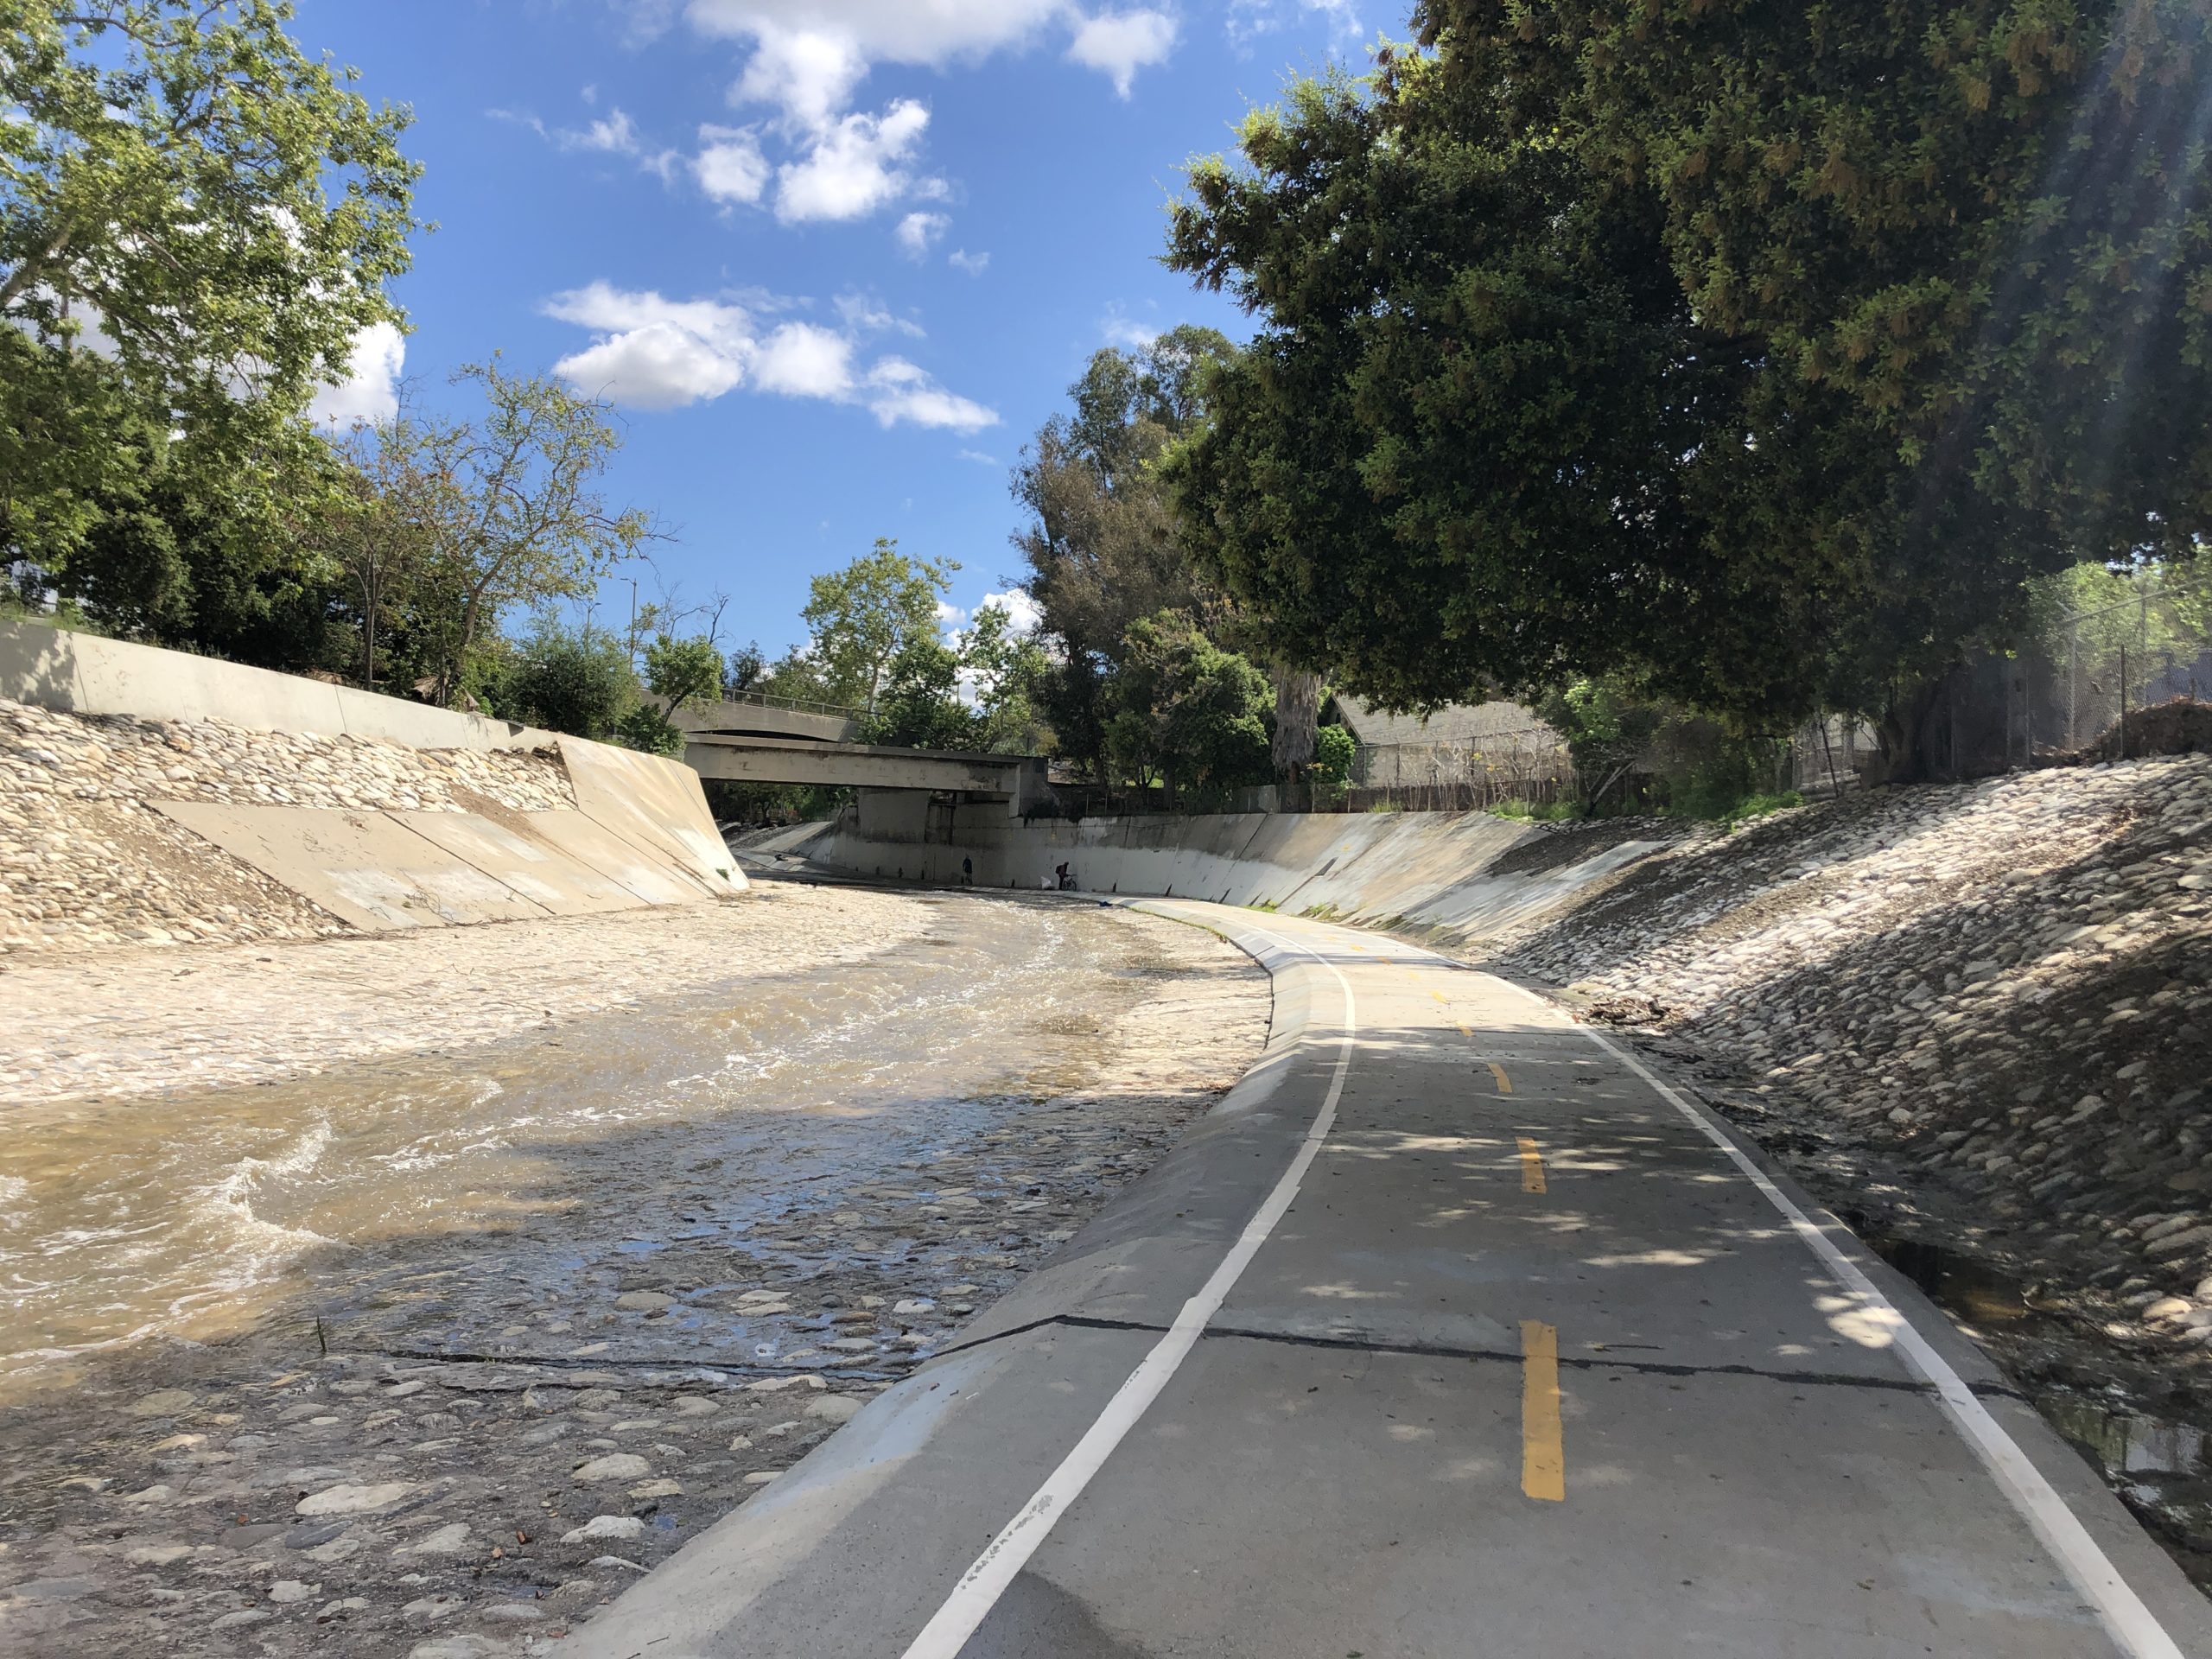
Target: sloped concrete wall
{"x":639,"y":834}
{"x":84,"y":674}
{"x":1438,"y":870}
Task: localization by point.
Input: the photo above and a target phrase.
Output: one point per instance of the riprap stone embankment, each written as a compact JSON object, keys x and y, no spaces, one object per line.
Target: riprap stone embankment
{"x":1999,"y":992}
{"x":84,"y":860}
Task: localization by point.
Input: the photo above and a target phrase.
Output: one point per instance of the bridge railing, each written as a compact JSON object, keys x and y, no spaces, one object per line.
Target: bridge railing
{"x":800,"y":705}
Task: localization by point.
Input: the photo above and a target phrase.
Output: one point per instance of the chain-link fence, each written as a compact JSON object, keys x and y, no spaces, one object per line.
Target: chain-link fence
{"x":1830,"y":755}
{"x":1531,"y":766}
{"x":2142,"y":642}
{"x":2147,"y":647}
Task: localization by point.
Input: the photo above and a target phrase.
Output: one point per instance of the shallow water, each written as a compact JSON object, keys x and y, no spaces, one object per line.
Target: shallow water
{"x":528,"y":1169}
{"x":2159,"y":1465}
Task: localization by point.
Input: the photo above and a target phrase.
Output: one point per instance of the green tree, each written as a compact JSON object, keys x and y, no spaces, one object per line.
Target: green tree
{"x":1102,"y":544}
{"x":512,"y":509}
{"x":375,"y":525}
{"x":1757,"y":353}
{"x":1334,"y":751}
{"x":682,"y":674}
{"x":1010,"y":670}
{"x":196,"y":222}
{"x":747,"y":668}
{"x":580,"y":682}
{"x":798,"y":675}
{"x":920,"y":707}
{"x":1187,"y":712}
{"x":645,"y":727}
{"x":167,"y":554}
{"x":863,"y":616}
{"x":687,"y":672}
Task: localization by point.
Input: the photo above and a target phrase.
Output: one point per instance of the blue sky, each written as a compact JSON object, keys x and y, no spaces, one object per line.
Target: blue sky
{"x":835,"y":262}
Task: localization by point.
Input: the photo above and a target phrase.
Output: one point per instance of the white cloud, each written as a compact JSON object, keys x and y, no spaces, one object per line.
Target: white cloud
{"x":897,"y":390}
{"x":371,"y":390}
{"x":643,"y":20}
{"x":655,"y":353}
{"x":807,"y":43}
{"x":803,"y":359}
{"x":973,"y":264}
{"x":811,"y":73}
{"x":854,"y":167}
{"x":616,"y":134}
{"x":1249,"y":19}
{"x":918,"y":232}
{"x":809,"y":56}
{"x":1021,"y":609}
{"x":950,"y":613}
{"x":1125,"y":331}
{"x":729,"y":165}
{"x":978,"y":456}
{"x":1118,"y":44}
{"x":865,"y":315}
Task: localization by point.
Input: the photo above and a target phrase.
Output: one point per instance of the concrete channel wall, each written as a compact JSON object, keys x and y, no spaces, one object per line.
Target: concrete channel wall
{"x":1458,"y":874}
{"x":639,"y":832}
{"x":83,"y":673}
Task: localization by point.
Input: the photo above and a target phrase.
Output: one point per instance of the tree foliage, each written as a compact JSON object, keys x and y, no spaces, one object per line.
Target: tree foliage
{"x":1186,"y":712}
{"x":687,"y":672}
{"x":1102,"y":545}
{"x":196,"y":221}
{"x":510,"y":505}
{"x":865,"y":615}
{"x":1334,"y":751}
{"x":580,"y":682}
{"x":1754,"y":351}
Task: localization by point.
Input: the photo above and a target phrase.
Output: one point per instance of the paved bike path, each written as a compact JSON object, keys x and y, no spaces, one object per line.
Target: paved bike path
{"x":1453,"y":1331}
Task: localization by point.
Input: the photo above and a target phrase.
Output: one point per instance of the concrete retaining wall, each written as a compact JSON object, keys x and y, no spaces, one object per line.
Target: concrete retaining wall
{"x":1435,"y":870}
{"x":441,"y":854}
{"x":84,"y":674}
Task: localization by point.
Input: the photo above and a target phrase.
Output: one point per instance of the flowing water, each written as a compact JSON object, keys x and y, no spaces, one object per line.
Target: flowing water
{"x":423,"y":1203}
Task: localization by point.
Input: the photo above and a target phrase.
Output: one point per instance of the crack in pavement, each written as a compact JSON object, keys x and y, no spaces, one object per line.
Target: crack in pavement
{"x":1444,"y":1351}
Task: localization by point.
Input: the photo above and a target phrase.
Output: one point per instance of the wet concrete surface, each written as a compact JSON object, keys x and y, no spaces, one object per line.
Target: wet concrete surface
{"x":2147,"y":1438}
{"x":435,"y":1354}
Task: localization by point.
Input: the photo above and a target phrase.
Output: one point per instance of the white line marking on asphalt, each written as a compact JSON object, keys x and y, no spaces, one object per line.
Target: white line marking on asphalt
{"x":2133,"y":1628}
{"x":987,"y":1580}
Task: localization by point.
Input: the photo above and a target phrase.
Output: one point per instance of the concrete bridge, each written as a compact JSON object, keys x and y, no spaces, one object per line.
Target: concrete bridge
{"x":787,"y":741}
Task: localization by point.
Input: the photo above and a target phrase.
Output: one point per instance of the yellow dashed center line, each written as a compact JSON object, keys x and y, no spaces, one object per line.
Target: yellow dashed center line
{"x":1505,"y":1083}
{"x":1532,"y":1166}
{"x":1543,"y":1458}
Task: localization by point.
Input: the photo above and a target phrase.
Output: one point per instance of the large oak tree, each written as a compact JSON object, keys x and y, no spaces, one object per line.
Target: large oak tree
{"x":1758,"y":349}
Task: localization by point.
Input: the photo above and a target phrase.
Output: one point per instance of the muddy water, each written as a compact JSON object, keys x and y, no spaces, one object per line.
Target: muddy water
{"x":371,"y":1200}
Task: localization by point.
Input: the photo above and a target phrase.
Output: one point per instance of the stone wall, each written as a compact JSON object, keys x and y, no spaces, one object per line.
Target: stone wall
{"x":2003,"y":988}
{"x":85,"y":861}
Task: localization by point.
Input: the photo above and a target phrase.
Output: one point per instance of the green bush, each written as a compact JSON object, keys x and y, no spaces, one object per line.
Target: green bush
{"x":1537,"y":812}
{"x":580,"y":683}
{"x":646,"y":728}
{"x":1334,"y":751}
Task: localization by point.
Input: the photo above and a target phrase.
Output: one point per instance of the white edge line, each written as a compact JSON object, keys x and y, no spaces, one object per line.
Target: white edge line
{"x":2133,"y":1628}
{"x":987,"y":1580}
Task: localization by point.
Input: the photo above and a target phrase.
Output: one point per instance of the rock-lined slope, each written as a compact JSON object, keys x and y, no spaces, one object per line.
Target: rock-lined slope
{"x":84,"y":860}
{"x":2004,"y":988}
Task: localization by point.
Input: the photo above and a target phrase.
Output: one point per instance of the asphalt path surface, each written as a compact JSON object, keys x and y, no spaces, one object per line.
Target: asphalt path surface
{"x":1454,"y":1331}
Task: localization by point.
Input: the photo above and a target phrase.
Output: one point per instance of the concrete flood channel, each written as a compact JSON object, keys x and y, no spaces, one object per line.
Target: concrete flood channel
{"x":449,"y":1350}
